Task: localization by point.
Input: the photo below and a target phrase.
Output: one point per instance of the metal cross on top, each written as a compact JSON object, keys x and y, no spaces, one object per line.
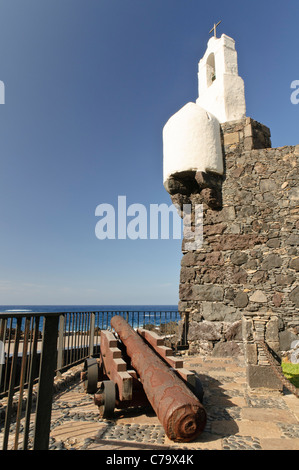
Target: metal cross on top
{"x":214,"y":28}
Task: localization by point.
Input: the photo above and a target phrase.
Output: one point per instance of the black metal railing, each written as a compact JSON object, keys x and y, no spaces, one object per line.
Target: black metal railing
{"x":36,"y":347}
{"x":21,"y":337}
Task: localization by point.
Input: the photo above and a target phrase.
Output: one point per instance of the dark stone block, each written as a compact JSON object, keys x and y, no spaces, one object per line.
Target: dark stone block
{"x":238,"y":258}
{"x":263,"y":377}
{"x":286,"y":338}
{"x":277,"y":299}
{"x":273,"y":243}
{"x":236,"y":275}
{"x":294,"y":296}
{"x":187,"y":274}
{"x":216,"y":311}
{"x":204,"y":331}
{"x":226,"y":349}
{"x":272,"y":261}
{"x":239,"y":242}
{"x":208,"y":180}
{"x":294,"y":264}
{"x":285,"y":280}
{"x":212,"y":197}
{"x":208,"y":292}
{"x":183,"y":183}
{"x":234,"y":331}
{"x":293,"y":240}
{"x":241,"y":300}
{"x":186,"y":292}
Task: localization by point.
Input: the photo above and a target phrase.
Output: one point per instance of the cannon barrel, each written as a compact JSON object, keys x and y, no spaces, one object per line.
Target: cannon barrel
{"x":179,"y":411}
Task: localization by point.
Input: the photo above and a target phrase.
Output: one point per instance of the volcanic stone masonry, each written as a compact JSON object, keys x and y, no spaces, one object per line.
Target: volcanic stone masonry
{"x":242,"y":285}
{"x":239,"y":289}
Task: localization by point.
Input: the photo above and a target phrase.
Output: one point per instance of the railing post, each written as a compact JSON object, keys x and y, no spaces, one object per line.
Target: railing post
{"x":60,"y":346}
{"x":33,"y":362}
{"x":91,"y":333}
{"x":46,"y":381}
{"x":12,"y":383}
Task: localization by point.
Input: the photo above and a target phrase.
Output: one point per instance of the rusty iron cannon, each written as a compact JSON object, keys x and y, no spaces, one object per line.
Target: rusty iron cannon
{"x":141,"y":370}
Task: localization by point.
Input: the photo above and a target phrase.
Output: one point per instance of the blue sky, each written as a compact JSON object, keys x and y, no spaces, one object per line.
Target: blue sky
{"x":88,"y":89}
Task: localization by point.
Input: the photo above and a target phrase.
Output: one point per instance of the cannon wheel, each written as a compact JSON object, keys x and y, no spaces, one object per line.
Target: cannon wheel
{"x":108,"y":392}
{"x":91,"y":370}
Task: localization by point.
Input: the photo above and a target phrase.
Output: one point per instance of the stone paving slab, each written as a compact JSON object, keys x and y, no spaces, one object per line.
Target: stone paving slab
{"x":279,"y":444}
{"x":268,"y":415}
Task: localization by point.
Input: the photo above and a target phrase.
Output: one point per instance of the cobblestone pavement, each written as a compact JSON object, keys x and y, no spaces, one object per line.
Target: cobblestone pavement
{"x":238,"y":419}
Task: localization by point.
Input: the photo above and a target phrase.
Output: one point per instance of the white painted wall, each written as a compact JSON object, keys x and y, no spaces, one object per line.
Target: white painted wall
{"x":191,"y":141}
{"x":225,"y":96}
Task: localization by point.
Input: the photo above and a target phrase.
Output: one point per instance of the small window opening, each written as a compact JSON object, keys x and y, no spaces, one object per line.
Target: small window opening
{"x":211,"y":70}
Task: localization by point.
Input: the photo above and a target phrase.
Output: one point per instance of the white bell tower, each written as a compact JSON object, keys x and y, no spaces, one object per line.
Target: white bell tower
{"x":192,"y":136}
{"x":220,"y":88}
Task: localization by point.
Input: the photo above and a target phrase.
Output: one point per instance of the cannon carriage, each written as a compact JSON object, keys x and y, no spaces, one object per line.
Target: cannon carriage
{"x":135,"y":368}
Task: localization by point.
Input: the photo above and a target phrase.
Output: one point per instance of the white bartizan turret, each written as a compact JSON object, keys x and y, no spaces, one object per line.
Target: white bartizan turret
{"x":191,"y":142}
{"x":191,"y":137}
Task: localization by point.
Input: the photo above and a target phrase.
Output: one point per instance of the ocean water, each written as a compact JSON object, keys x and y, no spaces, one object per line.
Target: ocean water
{"x":86,"y":308}
{"x":136,"y":315}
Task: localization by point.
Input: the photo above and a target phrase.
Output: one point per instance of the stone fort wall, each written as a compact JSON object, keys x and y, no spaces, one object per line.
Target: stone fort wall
{"x":244,"y":279}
